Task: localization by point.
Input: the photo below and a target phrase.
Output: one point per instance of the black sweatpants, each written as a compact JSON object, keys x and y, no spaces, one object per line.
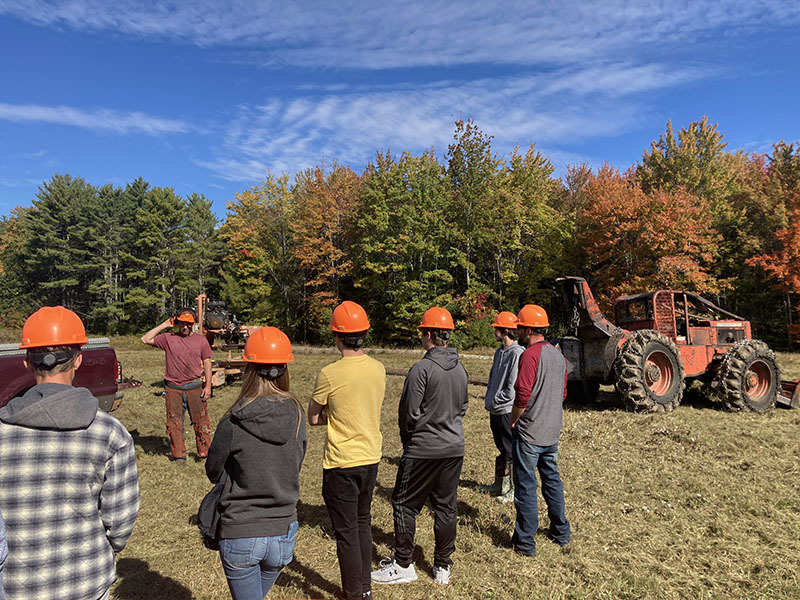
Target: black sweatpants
{"x":348,"y":497}
{"x":501,"y":432}
{"x":418,"y":480}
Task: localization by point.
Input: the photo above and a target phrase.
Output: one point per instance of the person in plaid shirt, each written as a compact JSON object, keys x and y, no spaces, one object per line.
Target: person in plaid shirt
{"x":3,"y":554}
{"x":69,"y":490}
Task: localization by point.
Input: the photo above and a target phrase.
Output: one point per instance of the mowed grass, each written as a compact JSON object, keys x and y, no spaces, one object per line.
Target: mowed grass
{"x":698,"y":503}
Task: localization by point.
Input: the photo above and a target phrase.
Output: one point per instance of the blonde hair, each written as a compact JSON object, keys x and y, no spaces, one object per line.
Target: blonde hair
{"x":254,"y":385}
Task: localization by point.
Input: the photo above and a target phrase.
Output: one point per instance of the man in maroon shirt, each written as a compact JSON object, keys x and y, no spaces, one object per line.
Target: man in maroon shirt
{"x":188,"y":357}
{"x":540,"y":390}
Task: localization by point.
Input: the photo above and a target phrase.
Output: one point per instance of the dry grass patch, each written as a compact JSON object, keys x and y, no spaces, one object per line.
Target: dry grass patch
{"x":699,"y":503}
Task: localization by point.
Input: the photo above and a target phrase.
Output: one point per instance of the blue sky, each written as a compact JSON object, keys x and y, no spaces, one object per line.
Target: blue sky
{"x":209,"y":97}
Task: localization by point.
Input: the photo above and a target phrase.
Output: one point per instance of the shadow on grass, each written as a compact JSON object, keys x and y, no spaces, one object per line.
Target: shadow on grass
{"x":317,"y":516}
{"x":470,"y":517}
{"x":604,"y":401}
{"x":151,"y":444}
{"x":138,"y":581}
{"x":307,"y":579}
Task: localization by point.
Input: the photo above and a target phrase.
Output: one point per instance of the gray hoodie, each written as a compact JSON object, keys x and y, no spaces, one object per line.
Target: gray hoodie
{"x":52,"y":406}
{"x":433,"y":405}
{"x":500,"y":390}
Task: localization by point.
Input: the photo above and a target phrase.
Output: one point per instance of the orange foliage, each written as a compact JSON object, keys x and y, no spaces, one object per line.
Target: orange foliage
{"x":783,"y":265}
{"x":325,"y":207}
{"x":635,"y":242}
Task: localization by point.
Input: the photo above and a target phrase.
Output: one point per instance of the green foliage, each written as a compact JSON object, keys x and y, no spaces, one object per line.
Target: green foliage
{"x":474,"y":232}
{"x":477,"y":333}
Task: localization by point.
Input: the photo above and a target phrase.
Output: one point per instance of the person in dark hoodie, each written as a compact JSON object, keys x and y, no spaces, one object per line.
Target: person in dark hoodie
{"x":69,"y":489}
{"x":261,"y":442}
{"x":431,"y":412}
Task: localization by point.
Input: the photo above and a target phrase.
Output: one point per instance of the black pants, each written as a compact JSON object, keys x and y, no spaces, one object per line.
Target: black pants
{"x":501,"y":432}
{"x":348,"y":497}
{"x":418,"y":480}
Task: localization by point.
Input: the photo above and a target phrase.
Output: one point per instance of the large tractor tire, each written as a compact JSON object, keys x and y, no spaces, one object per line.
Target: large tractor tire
{"x":649,"y":373}
{"x":749,"y":377}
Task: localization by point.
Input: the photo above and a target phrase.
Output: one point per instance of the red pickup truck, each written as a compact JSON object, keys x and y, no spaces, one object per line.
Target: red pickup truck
{"x":100,"y":373}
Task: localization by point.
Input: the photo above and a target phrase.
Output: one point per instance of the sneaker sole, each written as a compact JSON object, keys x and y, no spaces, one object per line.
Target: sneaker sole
{"x":403,"y":580}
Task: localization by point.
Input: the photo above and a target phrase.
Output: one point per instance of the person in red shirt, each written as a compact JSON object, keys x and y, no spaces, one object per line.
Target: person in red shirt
{"x":187,"y":379}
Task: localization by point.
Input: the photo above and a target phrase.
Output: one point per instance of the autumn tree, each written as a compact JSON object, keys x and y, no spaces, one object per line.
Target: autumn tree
{"x":322,"y":230}
{"x":263,"y":280}
{"x":636,"y":241}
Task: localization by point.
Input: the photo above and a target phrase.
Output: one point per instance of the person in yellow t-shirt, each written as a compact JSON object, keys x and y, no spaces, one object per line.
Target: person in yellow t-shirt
{"x":347,"y":399}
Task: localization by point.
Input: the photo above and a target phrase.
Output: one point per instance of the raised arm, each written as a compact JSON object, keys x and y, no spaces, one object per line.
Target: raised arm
{"x":148,"y":337}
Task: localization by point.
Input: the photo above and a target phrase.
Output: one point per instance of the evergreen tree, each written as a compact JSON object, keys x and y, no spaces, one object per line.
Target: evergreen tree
{"x":204,"y":246}
{"x":57,"y":261}
{"x":157,"y":289}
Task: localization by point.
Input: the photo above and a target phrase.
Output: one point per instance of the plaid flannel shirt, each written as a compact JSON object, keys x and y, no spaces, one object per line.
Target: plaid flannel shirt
{"x":69,"y":499}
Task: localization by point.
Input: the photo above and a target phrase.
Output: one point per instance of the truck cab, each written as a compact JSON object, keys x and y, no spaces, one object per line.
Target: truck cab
{"x":100,"y":373}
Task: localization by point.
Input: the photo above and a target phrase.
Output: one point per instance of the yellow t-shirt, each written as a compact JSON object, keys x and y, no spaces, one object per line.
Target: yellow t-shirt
{"x":352,"y":391}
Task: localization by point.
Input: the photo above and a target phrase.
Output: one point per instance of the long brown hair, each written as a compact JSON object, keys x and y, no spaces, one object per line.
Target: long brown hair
{"x":254,"y":384}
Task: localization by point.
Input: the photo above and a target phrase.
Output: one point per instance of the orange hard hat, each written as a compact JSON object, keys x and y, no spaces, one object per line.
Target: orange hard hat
{"x":53,"y":326}
{"x":185,"y":315}
{"x":268,"y":346}
{"x":532,"y":315}
{"x":349,"y":317}
{"x":437,"y":318}
{"x":506,"y":320}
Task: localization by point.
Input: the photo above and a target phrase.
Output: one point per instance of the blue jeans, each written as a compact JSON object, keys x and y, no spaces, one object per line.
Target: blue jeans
{"x":252,"y":565}
{"x":527,"y":460}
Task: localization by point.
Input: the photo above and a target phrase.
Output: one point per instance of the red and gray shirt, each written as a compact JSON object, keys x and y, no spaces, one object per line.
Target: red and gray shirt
{"x":185,"y":356}
{"x":541,"y":388}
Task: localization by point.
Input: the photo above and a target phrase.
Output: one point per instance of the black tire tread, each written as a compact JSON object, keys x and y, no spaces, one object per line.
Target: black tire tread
{"x":734,"y":364}
{"x":629,"y":378}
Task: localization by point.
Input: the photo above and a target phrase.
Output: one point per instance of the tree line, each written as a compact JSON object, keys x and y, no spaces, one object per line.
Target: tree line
{"x":472,"y":231}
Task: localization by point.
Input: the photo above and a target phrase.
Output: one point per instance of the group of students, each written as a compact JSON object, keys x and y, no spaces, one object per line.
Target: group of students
{"x":87,"y":501}
{"x":261,"y":442}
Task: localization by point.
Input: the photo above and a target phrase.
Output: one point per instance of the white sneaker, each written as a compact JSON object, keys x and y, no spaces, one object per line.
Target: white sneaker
{"x":441,"y":575}
{"x":391,"y":572}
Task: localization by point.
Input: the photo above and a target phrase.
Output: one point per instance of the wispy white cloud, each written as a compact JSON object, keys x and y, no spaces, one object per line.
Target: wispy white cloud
{"x":33,"y":155}
{"x":356,"y":33}
{"x":102,"y":119}
{"x":11,"y":182}
{"x":290,"y":135}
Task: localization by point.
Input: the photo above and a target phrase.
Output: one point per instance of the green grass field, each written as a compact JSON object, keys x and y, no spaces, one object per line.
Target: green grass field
{"x":698,"y":503}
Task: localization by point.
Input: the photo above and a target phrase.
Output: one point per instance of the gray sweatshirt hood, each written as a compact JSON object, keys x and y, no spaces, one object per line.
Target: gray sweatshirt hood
{"x":270,"y":419}
{"x":447,"y":358}
{"x":52,"y":406}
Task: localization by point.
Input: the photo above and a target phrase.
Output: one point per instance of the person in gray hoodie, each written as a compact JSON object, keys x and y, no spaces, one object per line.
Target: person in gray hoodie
{"x":69,"y":488}
{"x":430,"y":416}
{"x":498,"y":401}
{"x":260,"y":442}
